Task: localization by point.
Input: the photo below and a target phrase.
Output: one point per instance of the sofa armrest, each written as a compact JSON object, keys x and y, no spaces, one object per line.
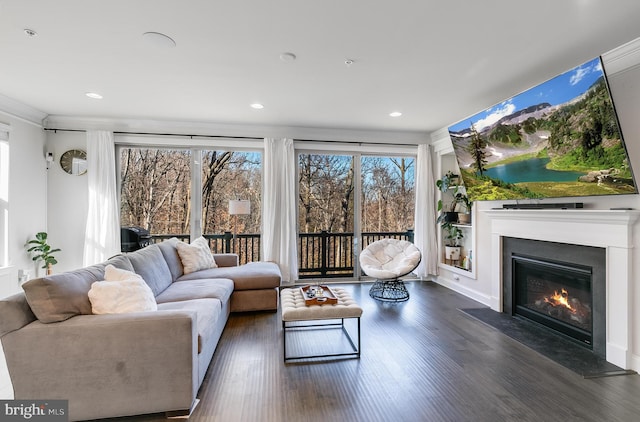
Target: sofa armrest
{"x":226,"y":259}
{"x":139,"y":363}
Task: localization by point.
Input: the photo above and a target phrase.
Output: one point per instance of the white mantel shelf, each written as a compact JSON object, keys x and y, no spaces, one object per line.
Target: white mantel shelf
{"x":591,"y":227}
{"x":609,"y":229}
{"x":624,"y":217}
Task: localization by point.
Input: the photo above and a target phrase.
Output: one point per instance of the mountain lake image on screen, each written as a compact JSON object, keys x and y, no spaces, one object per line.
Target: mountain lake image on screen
{"x":558,"y":139}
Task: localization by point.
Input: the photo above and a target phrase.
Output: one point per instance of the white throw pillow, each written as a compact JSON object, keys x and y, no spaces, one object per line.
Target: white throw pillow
{"x":122,"y":292}
{"x":196,"y":256}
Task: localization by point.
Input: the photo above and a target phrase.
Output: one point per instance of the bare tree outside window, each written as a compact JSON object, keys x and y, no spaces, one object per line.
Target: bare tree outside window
{"x":154,"y":189}
{"x":326,"y":193}
{"x":387,"y":194}
{"x":155,"y":194}
{"x":226,"y":176}
{"x":326,"y":208}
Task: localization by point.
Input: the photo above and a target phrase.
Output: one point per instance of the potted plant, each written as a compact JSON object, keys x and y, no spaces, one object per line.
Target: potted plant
{"x":43,"y":251}
{"x":448,"y":215}
{"x":453,"y":212}
{"x":452,"y":236}
{"x":448,"y":181}
{"x":460,"y":197}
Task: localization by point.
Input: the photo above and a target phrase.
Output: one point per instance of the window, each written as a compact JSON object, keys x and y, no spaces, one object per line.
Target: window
{"x":325,"y":215}
{"x":155,"y":190}
{"x":388,"y":197}
{"x":226,"y":176}
{"x":4,"y":195}
{"x":348,"y":200}
{"x":173,"y":192}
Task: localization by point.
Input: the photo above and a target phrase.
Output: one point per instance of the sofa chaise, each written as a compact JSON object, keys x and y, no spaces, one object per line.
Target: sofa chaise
{"x":122,"y":364}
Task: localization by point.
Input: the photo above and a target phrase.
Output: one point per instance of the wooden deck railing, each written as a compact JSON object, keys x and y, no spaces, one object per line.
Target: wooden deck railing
{"x":320,"y":255}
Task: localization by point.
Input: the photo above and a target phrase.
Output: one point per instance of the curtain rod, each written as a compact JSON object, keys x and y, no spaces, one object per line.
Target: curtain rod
{"x":248,"y":138}
{"x":161,"y":134}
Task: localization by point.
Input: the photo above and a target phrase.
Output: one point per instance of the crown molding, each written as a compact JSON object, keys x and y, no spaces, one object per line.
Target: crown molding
{"x":622,"y":58}
{"x":233,"y":130}
{"x":441,"y":141}
{"x":18,"y":110}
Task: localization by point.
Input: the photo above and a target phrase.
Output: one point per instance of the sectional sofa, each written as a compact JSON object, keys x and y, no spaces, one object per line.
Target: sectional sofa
{"x":122,"y":364}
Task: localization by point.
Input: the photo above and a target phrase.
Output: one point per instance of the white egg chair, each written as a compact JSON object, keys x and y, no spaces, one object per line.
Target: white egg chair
{"x":387,"y":260}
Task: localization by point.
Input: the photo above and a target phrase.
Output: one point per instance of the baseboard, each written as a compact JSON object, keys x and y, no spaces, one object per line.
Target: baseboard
{"x":463,"y":290}
{"x":182,"y":414}
{"x":635,"y":363}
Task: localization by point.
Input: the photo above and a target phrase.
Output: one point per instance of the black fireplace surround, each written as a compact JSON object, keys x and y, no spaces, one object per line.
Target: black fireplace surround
{"x":560,"y":286}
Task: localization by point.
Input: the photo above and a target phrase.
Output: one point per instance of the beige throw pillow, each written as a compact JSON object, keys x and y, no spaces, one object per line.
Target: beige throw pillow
{"x":122,"y":292}
{"x":196,"y":256}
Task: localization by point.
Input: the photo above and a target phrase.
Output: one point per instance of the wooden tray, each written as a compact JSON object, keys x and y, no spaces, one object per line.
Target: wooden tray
{"x":327,"y":298}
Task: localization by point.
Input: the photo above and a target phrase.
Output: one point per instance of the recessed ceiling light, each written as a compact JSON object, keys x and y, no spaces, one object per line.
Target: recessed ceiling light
{"x":30,"y":32}
{"x":159,"y":40}
{"x":287,"y":57}
{"x":395,"y":114}
{"x":257,"y":106}
{"x":94,"y":95}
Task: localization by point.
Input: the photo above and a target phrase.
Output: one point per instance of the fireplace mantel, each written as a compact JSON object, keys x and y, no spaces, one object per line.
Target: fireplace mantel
{"x":601,"y":228}
{"x":609,"y":229}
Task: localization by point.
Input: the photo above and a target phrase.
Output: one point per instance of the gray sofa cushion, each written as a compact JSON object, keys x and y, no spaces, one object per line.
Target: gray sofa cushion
{"x":150,"y":264}
{"x":208,"y":311}
{"x":219,"y":288}
{"x":58,"y":297}
{"x":226,"y":259}
{"x":118,"y":261}
{"x":250,"y":276}
{"x":170,"y":253}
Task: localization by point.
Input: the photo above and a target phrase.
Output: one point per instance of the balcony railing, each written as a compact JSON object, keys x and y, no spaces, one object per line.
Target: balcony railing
{"x":321,"y":255}
{"x":326,"y":255}
{"x":247,"y":246}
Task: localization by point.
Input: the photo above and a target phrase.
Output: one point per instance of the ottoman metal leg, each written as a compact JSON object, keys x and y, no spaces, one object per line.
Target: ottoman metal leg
{"x":354,"y":353}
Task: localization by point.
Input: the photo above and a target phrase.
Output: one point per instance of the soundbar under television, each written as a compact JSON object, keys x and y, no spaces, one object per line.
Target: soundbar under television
{"x":558,"y":139}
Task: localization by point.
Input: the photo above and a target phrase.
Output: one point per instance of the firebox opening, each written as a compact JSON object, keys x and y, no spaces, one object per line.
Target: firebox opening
{"x":557,"y":295}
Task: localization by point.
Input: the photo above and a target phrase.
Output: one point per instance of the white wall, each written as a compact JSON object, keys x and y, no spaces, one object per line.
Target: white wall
{"x":27,"y":209}
{"x":67,"y":202}
{"x":27,"y":197}
{"x":624,"y":80}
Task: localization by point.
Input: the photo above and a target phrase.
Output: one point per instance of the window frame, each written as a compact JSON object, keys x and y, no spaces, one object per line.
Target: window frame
{"x":5,"y":164}
{"x":196,"y":145}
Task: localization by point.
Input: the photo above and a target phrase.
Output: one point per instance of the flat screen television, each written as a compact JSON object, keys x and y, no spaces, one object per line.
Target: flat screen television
{"x":559,"y":139}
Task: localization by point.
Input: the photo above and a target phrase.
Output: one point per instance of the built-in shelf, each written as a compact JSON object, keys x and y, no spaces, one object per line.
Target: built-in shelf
{"x":459,"y":270}
{"x":447,"y":162}
{"x":468,"y":243}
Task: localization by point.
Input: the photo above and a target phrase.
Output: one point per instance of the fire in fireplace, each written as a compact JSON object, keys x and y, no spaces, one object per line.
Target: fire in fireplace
{"x":555,"y":294}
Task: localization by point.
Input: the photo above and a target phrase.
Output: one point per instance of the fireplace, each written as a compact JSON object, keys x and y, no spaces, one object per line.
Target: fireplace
{"x":611,"y":232}
{"x":559,"y":286}
{"x":555,"y":294}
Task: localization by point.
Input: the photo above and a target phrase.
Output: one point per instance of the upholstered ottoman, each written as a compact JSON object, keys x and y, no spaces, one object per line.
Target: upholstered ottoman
{"x":296,"y":315}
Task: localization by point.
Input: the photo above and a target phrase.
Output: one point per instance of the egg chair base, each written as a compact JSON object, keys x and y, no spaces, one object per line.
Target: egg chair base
{"x":389,"y":291}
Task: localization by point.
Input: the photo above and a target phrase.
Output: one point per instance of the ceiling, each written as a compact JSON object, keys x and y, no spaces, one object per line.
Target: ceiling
{"x":436,"y":61}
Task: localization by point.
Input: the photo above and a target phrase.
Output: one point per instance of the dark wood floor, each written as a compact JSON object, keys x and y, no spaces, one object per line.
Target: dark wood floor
{"x":422,"y":360}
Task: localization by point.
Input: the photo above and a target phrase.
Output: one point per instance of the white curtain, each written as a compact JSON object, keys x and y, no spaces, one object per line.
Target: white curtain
{"x":102,"y":234}
{"x":279,"y":242}
{"x":425,"y":221}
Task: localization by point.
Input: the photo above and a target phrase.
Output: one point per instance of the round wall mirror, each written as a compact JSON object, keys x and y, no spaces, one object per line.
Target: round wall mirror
{"x":74,"y":162}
